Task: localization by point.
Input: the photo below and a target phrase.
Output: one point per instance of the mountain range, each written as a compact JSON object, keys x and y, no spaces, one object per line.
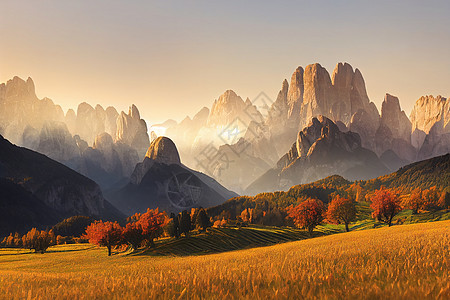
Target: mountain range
{"x":263,"y":131}
{"x":246,"y":145}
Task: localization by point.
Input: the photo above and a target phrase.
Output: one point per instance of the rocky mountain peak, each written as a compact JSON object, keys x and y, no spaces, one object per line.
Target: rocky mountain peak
{"x":163,"y":150}
{"x":226,"y":109}
{"x":427,"y":111}
{"x":430,"y":116}
{"x":134,"y":112}
{"x":30,"y":86}
{"x":228,"y":100}
{"x":133,"y":131}
{"x":394,"y":118}
{"x":17,"y":87}
{"x":342,"y":76}
{"x":323,"y":128}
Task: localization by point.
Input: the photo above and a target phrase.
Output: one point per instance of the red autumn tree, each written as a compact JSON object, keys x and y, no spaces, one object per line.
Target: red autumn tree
{"x":132,"y":234}
{"x":105,"y":234}
{"x":385,"y":205}
{"x":307,"y":214}
{"x":341,"y":210}
{"x":152,"y":223}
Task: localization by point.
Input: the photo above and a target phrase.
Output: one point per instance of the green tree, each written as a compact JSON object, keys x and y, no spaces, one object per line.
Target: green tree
{"x":185,"y":222}
{"x":202,"y":220}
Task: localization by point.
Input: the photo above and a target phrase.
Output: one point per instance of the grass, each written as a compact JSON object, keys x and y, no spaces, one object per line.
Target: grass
{"x":217,"y":240}
{"x":405,"y":217}
{"x":405,"y":262}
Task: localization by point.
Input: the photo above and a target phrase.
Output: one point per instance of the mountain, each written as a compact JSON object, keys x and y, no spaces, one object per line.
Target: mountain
{"x":51,"y":190}
{"x":20,"y":210}
{"x":313,"y":92}
{"x":321,"y":150}
{"x":162,"y":181}
{"x":430,"y":119}
{"x":80,"y":140}
{"x":21,"y":108}
{"x":394,"y":132}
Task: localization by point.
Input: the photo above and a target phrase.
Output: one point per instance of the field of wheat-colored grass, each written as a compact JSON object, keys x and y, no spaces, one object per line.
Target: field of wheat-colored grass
{"x":400,"y":262}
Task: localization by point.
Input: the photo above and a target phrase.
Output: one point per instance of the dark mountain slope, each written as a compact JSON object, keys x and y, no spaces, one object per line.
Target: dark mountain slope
{"x":20,"y":210}
{"x":54,"y":185}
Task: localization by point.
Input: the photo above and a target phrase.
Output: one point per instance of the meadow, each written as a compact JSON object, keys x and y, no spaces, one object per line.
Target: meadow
{"x":406,"y":262}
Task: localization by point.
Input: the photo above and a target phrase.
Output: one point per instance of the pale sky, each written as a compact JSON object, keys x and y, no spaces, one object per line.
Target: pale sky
{"x":171,"y":58}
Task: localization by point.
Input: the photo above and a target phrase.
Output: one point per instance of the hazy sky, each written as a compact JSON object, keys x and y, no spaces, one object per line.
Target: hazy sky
{"x":171,"y":58}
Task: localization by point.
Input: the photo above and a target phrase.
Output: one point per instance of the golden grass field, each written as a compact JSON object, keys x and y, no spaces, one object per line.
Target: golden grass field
{"x":400,"y":262}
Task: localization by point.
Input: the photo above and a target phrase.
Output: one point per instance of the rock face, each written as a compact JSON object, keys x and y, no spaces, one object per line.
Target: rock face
{"x":163,"y":150}
{"x":394,"y":132}
{"x":395,"y":119}
{"x":321,"y":150}
{"x":427,"y":112}
{"x":132,"y":130}
{"x":161,"y":181}
{"x":24,"y":109}
{"x":312,"y":92}
{"x":108,"y":162}
{"x":63,"y":190}
{"x":56,"y":142}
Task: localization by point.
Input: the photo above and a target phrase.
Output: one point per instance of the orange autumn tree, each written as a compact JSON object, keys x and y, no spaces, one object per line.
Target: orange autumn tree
{"x":385,"y":205}
{"x":431,"y":198}
{"x":37,"y":240}
{"x":152,"y":223}
{"x":307,"y":214}
{"x":105,"y":234}
{"x":428,"y":199}
{"x":341,"y":210}
{"x":414,"y":201}
{"x":132,"y":234}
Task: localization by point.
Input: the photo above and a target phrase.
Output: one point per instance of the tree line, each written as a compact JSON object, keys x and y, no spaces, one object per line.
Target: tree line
{"x":142,"y":229}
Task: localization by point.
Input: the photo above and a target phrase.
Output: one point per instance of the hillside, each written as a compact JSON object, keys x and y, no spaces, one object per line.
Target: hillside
{"x":45,"y":190}
{"x":424,"y":174}
{"x":381,"y":263}
{"x":21,"y":210}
